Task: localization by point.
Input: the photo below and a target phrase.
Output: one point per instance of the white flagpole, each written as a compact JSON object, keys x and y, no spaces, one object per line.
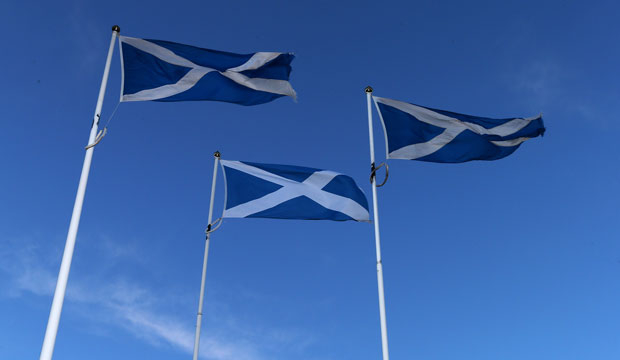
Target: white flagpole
{"x":216,"y":155}
{"x":63,"y":275}
{"x":384,"y":340}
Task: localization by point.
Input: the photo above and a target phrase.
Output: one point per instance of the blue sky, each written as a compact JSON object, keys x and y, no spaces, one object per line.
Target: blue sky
{"x":511,"y":259}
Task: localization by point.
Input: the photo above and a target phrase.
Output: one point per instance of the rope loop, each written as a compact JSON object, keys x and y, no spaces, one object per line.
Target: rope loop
{"x":217,"y":223}
{"x":100,"y":136}
{"x":373,"y":172}
{"x":102,"y":133}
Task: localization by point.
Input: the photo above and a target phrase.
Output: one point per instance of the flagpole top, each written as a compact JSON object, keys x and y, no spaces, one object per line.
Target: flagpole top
{"x":368,"y":90}
{"x":217,"y":154}
{"x":116,"y":28}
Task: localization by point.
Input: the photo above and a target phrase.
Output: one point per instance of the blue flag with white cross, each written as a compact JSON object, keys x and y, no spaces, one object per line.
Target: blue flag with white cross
{"x":415,"y":132}
{"x":291,"y":192}
{"x":167,"y":71}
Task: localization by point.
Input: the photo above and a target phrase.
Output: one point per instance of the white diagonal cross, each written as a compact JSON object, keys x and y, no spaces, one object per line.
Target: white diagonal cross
{"x":311,"y":188}
{"x":196,"y":73}
{"x":453,"y":127}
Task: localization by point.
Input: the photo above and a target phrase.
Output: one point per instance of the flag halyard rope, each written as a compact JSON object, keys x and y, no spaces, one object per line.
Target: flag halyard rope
{"x":210,"y":228}
{"x":103,"y":132}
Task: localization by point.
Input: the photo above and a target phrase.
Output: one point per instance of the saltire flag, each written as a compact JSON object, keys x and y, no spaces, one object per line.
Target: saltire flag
{"x":291,"y":192}
{"x":415,"y":132}
{"x":167,"y":71}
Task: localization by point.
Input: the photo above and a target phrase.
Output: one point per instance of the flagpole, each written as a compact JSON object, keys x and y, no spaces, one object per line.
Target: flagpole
{"x":63,"y":275}
{"x":384,"y":340}
{"x":216,"y":161}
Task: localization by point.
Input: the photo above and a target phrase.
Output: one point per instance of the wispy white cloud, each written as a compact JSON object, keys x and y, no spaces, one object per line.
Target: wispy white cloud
{"x":27,"y":271}
{"x":552,"y":84}
{"x":539,"y":80}
{"x":138,"y":310}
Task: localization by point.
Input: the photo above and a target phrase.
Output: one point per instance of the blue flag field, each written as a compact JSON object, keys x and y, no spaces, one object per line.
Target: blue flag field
{"x":291,"y":192}
{"x":415,"y":132}
{"x":167,"y":71}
